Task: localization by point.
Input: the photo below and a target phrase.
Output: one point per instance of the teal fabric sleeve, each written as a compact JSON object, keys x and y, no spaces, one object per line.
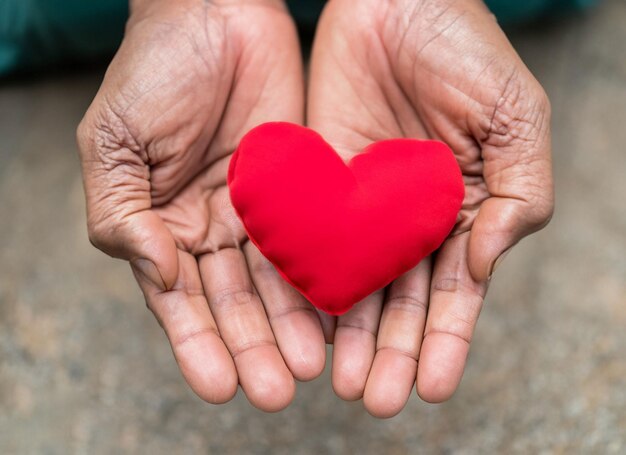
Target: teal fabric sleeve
{"x":37,"y":33}
{"x":507,"y":11}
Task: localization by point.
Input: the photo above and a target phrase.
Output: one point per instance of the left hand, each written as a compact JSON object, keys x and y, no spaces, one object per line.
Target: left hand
{"x":431,"y":69}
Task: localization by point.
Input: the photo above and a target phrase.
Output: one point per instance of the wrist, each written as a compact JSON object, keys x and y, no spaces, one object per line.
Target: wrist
{"x":140,"y":9}
{"x":143,"y":8}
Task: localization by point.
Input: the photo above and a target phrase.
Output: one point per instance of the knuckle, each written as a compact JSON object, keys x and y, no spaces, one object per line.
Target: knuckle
{"x":231,"y":298}
{"x":189,"y":336}
{"x":107,"y":233}
{"x":112,"y":137}
{"x":459,"y":321}
{"x":543,"y":212}
{"x":537,"y":197}
{"x":359,"y":322}
{"x":242,"y":346}
{"x":104,"y":136}
{"x":407,"y":303}
{"x":446,"y":283}
{"x":262,"y":268}
{"x":460,"y":329}
{"x":97,"y":234}
{"x":520,"y":113}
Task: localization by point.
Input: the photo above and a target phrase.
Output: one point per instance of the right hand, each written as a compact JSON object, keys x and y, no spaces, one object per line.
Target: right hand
{"x":190,"y":78}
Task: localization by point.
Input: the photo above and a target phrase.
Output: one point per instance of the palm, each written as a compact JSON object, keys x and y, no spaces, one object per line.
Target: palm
{"x":411,"y":69}
{"x":384,"y":91}
{"x":190,"y":140}
{"x":177,"y":98}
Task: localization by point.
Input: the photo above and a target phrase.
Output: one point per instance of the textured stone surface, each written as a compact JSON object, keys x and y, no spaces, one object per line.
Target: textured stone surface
{"x":84,"y":368}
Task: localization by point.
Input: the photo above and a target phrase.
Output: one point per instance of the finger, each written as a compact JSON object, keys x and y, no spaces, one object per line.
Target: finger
{"x":455,"y":303}
{"x":243,"y":325}
{"x":517,"y":169}
{"x":398,"y":344}
{"x":293,"y":319}
{"x":355,"y":346}
{"x":119,"y":219}
{"x":184,"y":314}
{"x":500,"y":224}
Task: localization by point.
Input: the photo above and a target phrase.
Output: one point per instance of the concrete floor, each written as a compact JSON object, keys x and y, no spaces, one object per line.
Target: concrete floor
{"x":84,"y":368}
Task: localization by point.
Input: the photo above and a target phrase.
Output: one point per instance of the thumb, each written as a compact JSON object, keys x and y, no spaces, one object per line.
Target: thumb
{"x":119,"y":217}
{"x":500,"y":224}
{"x":519,"y":178}
{"x":145,"y":241}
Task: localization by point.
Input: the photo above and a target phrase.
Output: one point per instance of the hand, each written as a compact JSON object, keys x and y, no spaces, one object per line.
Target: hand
{"x":438,"y":69}
{"x":190,"y":78}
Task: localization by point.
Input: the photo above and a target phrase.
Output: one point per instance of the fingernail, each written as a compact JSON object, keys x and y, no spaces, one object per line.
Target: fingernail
{"x":499,"y":260}
{"x":150,"y":272}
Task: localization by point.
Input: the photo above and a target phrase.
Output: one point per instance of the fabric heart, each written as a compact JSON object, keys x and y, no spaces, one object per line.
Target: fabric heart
{"x":338,"y":232}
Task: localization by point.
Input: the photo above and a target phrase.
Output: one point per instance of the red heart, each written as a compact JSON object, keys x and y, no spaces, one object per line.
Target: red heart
{"x":339,"y":232}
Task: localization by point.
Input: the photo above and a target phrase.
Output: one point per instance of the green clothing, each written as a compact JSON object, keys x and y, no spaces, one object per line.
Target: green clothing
{"x":36,"y":33}
{"x":507,"y":11}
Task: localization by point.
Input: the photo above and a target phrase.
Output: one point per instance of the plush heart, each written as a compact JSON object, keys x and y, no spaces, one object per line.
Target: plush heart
{"x":338,"y":232}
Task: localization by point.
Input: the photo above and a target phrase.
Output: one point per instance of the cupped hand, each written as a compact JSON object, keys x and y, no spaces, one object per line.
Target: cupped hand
{"x":189,"y":79}
{"x":438,"y":69}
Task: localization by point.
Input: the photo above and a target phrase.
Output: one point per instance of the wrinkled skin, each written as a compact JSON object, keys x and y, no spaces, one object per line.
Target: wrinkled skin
{"x":437,"y":69}
{"x":189,"y":80}
{"x":192,"y":77}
